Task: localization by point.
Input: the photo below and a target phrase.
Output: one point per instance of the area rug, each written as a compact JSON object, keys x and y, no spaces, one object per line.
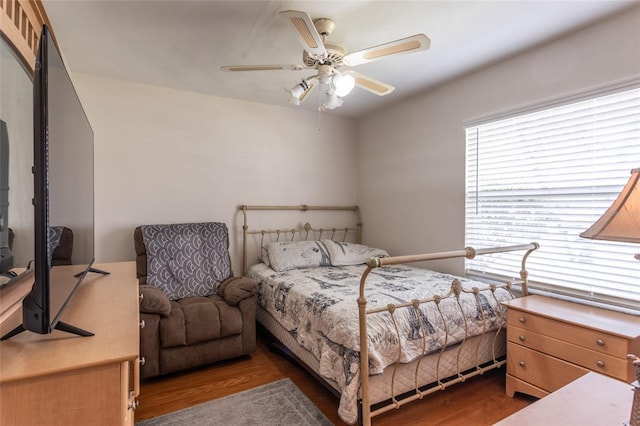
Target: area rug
{"x":279,"y":403}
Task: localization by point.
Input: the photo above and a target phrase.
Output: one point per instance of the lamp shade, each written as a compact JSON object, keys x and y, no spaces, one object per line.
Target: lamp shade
{"x":343,"y":83}
{"x":331,"y":101}
{"x":621,"y":221}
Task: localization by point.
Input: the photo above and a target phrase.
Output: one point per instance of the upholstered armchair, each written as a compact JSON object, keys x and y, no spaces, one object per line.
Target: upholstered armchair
{"x":194,"y":311}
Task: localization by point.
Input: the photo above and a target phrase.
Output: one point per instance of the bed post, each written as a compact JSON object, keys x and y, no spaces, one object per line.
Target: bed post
{"x":364,"y":351}
{"x":244,"y":239}
{"x":356,"y":210}
{"x":523,"y":271}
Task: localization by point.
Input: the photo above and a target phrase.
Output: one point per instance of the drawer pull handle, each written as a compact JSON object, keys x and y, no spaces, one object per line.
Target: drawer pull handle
{"x":133,"y":403}
{"x":141,"y":297}
{"x":522,"y":319}
{"x":522,"y":338}
{"x":600,"y":364}
{"x":143,"y":361}
{"x":142,"y":324}
{"x":600,"y":342}
{"x":521,"y":363}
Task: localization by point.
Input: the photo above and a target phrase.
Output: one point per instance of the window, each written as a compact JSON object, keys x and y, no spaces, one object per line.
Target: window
{"x":547,"y":176}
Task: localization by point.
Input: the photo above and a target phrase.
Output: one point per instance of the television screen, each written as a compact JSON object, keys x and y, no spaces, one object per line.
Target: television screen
{"x":63,"y":195}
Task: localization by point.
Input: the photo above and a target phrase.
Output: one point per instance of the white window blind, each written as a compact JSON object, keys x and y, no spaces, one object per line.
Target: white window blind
{"x":546,"y":177}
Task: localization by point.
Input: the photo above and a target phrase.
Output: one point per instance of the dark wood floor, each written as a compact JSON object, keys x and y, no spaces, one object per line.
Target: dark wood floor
{"x":478,"y":401}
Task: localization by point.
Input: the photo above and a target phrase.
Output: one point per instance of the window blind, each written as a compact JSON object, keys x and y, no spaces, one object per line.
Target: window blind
{"x":546,"y":177}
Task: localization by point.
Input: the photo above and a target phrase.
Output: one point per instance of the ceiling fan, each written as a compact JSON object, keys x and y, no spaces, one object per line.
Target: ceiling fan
{"x":326,"y":58}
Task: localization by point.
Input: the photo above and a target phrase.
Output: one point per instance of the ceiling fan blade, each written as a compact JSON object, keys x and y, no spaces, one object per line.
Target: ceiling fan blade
{"x":411,"y":44}
{"x":373,"y":86}
{"x":305,"y":30}
{"x":296,"y":67}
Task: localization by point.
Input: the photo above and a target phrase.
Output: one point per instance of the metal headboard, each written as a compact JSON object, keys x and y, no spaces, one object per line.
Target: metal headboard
{"x":304,"y":231}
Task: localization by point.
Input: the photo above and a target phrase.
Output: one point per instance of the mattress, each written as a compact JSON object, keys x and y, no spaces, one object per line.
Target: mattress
{"x":313,"y":311}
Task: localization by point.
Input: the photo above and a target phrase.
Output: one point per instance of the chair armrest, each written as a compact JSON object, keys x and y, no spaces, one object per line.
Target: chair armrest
{"x":235,"y":289}
{"x":154,"y":301}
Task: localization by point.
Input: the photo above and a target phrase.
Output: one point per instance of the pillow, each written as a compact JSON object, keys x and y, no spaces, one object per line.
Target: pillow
{"x":297,"y":254}
{"x":265,"y":256}
{"x":342,"y":254}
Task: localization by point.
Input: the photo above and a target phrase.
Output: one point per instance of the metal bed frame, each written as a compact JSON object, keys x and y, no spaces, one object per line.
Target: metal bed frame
{"x":420,"y":389}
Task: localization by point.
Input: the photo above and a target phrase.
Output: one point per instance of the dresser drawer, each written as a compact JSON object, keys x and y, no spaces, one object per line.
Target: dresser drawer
{"x":540,"y":370}
{"x":595,"y":340}
{"x":593,"y":360}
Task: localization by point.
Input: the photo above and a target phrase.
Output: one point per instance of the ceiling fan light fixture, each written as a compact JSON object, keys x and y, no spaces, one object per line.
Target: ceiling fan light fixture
{"x":343,"y":84}
{"x":331,"y":101}
{"x":326,"y":57}
{"x":297,"y":92}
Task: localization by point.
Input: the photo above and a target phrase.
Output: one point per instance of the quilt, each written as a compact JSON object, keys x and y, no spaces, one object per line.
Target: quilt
{"x":318,"y":307}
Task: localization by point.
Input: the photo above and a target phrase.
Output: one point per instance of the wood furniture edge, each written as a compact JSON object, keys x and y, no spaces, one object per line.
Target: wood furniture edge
{"x":590,"y":399}
{"x":20,"y":24}
{"x":72,"y":369}
{"x":522,"y":303}
{"x":23,"y":374}
{"x":513,"y":385}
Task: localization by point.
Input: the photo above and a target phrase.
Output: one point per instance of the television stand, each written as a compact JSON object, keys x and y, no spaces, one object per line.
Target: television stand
{"x":97,"y":378}
{"x":94,"y":270}
{"x":63,"y":326}
{"x":59,"y":325}
{"x":32,"y":312}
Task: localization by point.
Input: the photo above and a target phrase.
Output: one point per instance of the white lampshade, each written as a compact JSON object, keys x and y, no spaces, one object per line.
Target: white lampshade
{"x":331,"y":101}
{"x":294,"y":94}
{"x":621,"y":222}
{"x":298,"y":92}
{"x":343,"y":83}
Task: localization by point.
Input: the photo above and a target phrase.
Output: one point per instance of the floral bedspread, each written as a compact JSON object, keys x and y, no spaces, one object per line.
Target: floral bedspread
{"x":318,"y":306}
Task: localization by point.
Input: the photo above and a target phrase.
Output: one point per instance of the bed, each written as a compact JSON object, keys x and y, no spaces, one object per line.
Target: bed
{"x":324,"y":297}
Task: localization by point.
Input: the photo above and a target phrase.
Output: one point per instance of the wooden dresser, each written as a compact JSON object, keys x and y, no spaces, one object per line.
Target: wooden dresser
{"x":552,"y":342}
{"x":65,"y":379}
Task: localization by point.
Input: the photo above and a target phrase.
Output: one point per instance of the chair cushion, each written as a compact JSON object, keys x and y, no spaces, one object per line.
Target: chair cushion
{"x":199,"y":319}
{"x":187,"y":259}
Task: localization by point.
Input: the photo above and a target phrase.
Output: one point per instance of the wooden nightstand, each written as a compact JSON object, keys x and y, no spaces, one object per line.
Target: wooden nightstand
{"x":552,"y":342}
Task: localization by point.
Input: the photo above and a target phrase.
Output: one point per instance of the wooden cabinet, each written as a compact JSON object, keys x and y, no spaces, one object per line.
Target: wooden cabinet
{"x":65,"y":379}
{"x":552,"y":342}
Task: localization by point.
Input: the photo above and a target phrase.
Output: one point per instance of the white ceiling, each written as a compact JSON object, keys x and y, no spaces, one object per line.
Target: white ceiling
{"x":181,"y":44}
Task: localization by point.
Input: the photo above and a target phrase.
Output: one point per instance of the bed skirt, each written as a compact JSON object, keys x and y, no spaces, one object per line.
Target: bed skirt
{"x":456,"y":359}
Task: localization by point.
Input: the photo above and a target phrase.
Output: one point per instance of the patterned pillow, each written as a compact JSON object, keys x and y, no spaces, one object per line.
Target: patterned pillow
{"x":187,"y":259}
{"x":297,"y":254}
{"x":343,"y":254}
{"x":265,"y":256}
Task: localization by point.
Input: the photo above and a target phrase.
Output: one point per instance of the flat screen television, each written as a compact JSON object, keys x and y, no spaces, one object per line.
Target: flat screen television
{"x":63,"y":193}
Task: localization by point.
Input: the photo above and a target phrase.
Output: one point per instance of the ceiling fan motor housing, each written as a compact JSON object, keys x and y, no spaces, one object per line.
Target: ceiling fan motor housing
{"x":324,"y":26}
{"x":334,"y":56}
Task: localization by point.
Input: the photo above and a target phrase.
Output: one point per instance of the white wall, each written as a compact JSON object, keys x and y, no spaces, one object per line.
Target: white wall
{"x":169,"y":156}
{"x":412,"y":155}
{"x":166,"y":156}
